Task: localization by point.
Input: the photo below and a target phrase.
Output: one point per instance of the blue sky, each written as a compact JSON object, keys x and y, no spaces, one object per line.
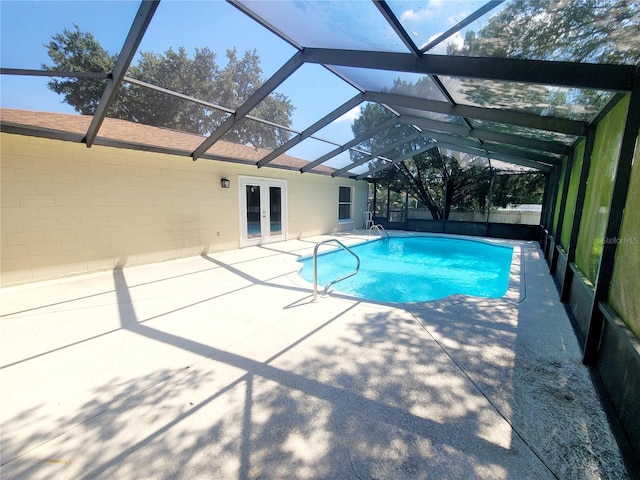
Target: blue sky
{"x":26,"y":26}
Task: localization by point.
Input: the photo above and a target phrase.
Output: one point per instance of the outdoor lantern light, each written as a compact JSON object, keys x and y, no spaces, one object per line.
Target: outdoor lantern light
{"x":225,"y":182}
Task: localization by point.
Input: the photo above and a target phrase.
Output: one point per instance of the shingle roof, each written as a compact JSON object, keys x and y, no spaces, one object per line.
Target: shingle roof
{"x":126,"y":134}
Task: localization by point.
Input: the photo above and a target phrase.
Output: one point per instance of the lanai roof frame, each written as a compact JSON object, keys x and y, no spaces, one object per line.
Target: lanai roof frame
{"x":612,"y":77}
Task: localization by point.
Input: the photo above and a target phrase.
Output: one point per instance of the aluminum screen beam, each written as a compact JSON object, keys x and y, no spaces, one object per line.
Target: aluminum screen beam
{"x":393,"y":21}
{"x":173,"y":93}
{"x":462,"y":141}
{"x":487,"y":135}
{"x":377,"y":153}
{"x":607,"y":108}
{"x":525,"y":142}
{"x":489,"y":147}
{"x":619,"y":197}
{"x":535,"y":156}
{"x":505,"y":158}
{"x":553,"y":124}
{"x":256,"y":18}
{"x":31,"y":131}
{"x":131,"y":44}
{"x":323,"y":122}
{"x":218,"y":107}
{"x":260,"y":94}
{"x":459,"y":26}
{"x":359,"y":139}
{"x":53,"y":73}
{"x":77,"y":138}
{"x":443,"y":90}
{"x":401,"y":158}
{"x":562,"y":74}
{"x":211,"y":105}
{"x":522,"y":162}
{"x":471,"y":146}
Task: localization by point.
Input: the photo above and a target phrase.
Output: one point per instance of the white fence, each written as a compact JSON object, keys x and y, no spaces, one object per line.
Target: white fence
{"x":502,"y":215}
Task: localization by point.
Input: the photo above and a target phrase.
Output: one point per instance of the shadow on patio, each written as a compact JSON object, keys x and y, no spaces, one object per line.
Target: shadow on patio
{"x":337,"y":389}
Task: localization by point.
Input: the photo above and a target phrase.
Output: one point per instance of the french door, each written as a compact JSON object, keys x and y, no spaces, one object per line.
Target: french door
{"x":263,"y":203}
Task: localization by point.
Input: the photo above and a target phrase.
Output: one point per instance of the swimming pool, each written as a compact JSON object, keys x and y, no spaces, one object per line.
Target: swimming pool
{"x":416,"y":269}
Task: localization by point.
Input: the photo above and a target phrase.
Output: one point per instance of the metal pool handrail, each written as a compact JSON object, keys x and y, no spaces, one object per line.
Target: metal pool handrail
{"x":380,"y":229}
{"x":315,"y":267}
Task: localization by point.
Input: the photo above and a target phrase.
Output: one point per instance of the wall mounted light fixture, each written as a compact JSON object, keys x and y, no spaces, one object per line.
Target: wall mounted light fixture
{"x":225,"y":182}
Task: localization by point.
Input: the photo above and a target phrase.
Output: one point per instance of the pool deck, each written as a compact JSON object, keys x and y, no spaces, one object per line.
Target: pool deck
{"x":222,"y":367}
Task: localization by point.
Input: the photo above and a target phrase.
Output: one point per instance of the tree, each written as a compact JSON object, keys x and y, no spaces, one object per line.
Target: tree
{"x":517,"y":189}
{"x":600,"y":31}
{"x":438,"y":181}
{"x":594,"y":31}
{"x":199,"y":77}
{"x":436,"y":178}
{"x":236,"y":83}
{"x":76,"y":51}
{"x":173,"y":70}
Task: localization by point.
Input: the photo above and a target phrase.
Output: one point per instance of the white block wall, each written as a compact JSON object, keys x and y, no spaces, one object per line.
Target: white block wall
{"x":69,"y":209}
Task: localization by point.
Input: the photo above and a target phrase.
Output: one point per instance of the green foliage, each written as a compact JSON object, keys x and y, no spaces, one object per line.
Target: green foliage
{"x":419,"y":174}
{"x":572,"y":195}
{"x":173,"y":69}
{"x":556,"y":210}
{"x":623,"y":294}
{"x":599,"y":189}
{"x":595,"y":31}
{"x":76,"y":51}
{"x":517,"y":190}
{"x":441,"y":184}
{"x":198,"y":77}
{"x":437,"y":180}
{"x":372,"y":115}
{"x":237,"y":81}
{"x":424,"y":87}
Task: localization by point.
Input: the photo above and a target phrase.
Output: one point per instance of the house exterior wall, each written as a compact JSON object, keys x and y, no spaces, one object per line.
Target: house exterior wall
{"x":68,"y":209}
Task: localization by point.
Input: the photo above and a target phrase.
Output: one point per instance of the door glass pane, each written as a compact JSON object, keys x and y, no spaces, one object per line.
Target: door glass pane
{"x":275,"y":210}
{"x":253,"y":211}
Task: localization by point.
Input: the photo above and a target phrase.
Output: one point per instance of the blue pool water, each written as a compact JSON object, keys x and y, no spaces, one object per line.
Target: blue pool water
{"x":416,"y":269}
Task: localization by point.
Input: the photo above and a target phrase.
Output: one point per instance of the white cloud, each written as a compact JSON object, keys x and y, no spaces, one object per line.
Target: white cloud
{"x":412,"y":16}
{"x":350,"y":116}
{"x":441,"y":48}
{"x":456,"y":39}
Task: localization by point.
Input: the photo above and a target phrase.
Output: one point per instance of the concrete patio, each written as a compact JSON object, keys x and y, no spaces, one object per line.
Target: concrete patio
{"x":221,"y":367}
